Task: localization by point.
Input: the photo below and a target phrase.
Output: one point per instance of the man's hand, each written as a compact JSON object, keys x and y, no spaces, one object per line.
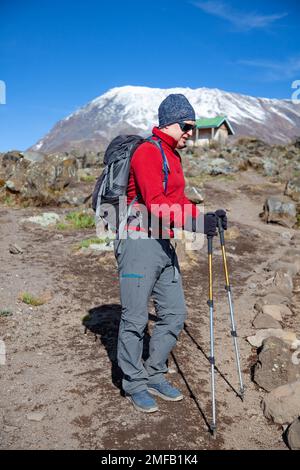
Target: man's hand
{"x":221,"y":214}
{"x":210,"y":224}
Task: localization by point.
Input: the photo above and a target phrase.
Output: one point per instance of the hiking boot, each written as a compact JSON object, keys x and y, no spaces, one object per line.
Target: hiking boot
{"x":143,"y":401}
{"x":165,"y":391}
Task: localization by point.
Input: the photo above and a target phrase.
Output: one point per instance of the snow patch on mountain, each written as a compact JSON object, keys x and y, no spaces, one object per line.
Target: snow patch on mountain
{"x":133,"y":109}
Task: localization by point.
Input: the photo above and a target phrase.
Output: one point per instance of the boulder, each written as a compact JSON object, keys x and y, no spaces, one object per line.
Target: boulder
{"x":292,"y":255}
{"x":278,"y":312}
{"x":255,"y":233}
{"x":33,"y":156}
{"x":215,"y":166}
{"x":272,"y":298}
{"x":292,"y":189}
{"x":283,"y":282}
{"x":289,"y":337}
{"x":282,"y":405}
{"x":262,"y":321}
{"x":267,"y":165}
{"x":191,"y":169}
{"x":45,"y":219}
{"x":10,"y":160}
{"x":287,"y":236}
{"x":42,"y":180}
{"x":194,"y":194}
{"x":101,"y":246}
{"x":296,"y":238}
{"x":289,"y":267}
{"x":59,"y":171}
{"x":13,"y":186}
{"x":271,"y":167}
{"x":12,"y":155}
{"x":73,"y":197}
{"x":88,"y":159}
{"x":293,"y":435}
{"x":12,"y":164}
{"x":279,"y":210}
{"x":93,"y":159}
{"x":35,"y":416}
{"x":274,"y":365}
{"x":14,"y":249}
{"x":256,"y":163}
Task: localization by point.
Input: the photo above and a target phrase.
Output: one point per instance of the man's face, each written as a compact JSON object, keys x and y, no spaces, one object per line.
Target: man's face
{"x":179,"y":133}
{"x":185,"y":134}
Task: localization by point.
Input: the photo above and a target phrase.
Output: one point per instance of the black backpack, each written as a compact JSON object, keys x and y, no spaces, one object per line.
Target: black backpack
{"x":111,"y":186}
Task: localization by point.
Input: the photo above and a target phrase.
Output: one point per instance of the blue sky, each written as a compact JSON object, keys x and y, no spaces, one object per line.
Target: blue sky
{"x":55,"y":56}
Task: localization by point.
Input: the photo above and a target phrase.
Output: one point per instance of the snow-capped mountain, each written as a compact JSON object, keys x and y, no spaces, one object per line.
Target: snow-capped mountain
{"x":133,"y":109}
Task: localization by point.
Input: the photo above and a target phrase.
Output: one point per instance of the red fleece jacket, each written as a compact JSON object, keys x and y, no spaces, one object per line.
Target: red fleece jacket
{"x":146,"y":178}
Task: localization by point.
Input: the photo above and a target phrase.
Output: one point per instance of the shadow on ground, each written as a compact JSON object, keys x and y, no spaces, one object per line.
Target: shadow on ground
{"x":103,"y":321}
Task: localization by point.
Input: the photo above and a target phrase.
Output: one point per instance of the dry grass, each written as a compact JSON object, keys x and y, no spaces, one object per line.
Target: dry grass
{"x":30,"y":299}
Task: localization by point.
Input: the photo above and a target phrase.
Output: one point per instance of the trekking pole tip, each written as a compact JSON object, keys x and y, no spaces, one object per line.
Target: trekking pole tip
{"x":242,"y":393}
{"x":213,"y":431}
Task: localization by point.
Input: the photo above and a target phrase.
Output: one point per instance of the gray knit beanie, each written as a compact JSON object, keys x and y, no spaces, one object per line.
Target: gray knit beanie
{"x":175,"y":108}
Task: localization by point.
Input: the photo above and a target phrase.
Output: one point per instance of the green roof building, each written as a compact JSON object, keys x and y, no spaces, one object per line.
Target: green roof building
{"x":208,"y":129}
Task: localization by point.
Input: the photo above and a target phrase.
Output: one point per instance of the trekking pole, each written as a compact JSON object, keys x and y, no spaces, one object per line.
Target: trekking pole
{"x":228,"y":289}
{"x":210,"y":303}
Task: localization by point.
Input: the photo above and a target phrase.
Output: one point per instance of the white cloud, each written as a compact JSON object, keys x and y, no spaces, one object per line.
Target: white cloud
{"x":240,"y":20}
{"x":274,"y":70}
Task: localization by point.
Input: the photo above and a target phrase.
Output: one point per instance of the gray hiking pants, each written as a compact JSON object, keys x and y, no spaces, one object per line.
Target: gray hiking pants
{"x":147,"y":267}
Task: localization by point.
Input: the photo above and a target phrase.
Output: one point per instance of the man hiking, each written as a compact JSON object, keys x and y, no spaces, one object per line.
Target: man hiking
{"x":148,"y":264}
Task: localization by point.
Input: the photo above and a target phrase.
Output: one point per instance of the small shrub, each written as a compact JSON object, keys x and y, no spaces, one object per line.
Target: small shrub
{"x":25,"y":204}
{"x":31,"y":300}
{"x":91,"y":241}
{"x":8,"y":200}
{"x":214,"y":144}
{"x":61,"y":226}
{"x":5,"y":313}
{"x":81,"y":220}
{"x":88,"y":178}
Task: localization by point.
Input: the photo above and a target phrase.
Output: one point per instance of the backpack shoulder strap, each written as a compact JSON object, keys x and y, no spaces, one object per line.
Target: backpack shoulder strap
{"x":166,"y":167}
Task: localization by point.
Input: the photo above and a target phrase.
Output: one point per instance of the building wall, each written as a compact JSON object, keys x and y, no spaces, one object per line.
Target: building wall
{"x":204,"y":133}
{"x":205,"y":136}
{"x":221,"y":135}
{"x":200,"y":137}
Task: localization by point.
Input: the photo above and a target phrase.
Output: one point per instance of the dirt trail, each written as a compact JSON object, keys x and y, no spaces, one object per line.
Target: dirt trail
{"x":60,"y":387}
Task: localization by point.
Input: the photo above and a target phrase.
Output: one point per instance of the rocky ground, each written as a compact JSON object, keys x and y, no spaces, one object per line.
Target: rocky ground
{"x":60,"y":385}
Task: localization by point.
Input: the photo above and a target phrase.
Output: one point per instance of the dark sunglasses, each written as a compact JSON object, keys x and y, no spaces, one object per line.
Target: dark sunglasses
{"x":185,"y":127}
